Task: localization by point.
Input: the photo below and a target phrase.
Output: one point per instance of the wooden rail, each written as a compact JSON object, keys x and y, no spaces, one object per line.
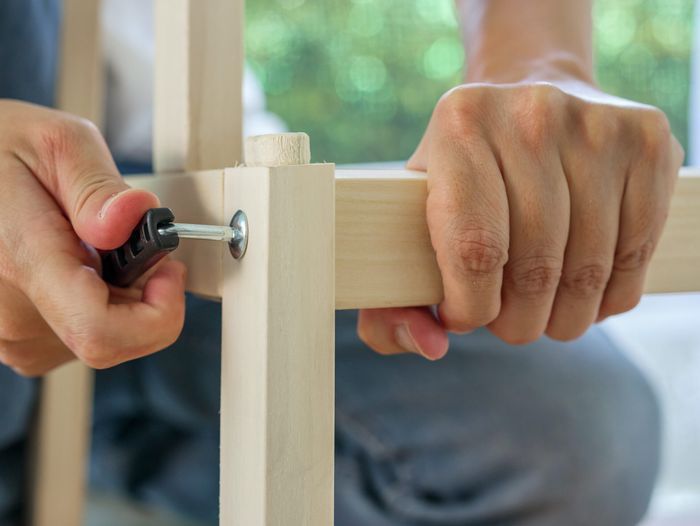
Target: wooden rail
{"x":383,"y":253}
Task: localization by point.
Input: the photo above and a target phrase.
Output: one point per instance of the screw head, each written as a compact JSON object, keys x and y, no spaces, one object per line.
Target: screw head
{"x":239,"y":243}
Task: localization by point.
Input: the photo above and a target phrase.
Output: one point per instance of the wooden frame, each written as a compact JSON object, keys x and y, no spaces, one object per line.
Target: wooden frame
{"x":369,"y":248}
{"x":383,"y":253}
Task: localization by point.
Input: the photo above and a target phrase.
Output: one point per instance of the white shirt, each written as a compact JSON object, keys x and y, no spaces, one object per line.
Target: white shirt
{"x":127,"y":28}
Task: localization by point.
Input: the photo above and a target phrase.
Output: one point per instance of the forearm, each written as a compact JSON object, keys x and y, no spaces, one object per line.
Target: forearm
{"x":516,"y":40}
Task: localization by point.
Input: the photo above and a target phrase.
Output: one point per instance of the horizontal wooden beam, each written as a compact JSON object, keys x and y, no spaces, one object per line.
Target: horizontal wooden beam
{"x":196,"y":197}
{"x":383,"y":253}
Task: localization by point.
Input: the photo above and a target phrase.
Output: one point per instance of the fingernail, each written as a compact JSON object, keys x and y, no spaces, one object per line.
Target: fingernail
{"x":107,"y":204}
{"x":404,"y":339}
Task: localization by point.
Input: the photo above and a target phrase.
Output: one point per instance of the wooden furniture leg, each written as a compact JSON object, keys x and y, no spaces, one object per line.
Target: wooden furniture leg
{"x":277,"y":398}
{"x":61,"y":438}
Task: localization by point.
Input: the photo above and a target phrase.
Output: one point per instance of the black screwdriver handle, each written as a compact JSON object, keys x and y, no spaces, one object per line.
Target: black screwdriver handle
{"x":146,"y":246}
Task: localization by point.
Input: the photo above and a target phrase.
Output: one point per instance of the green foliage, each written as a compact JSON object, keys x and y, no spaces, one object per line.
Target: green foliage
{"x":362,"y":76}
{"x":643,"y":49}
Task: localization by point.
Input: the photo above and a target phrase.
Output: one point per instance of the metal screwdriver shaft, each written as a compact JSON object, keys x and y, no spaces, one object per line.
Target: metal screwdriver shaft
{"x":209,"y":232}
{"x":236,"y":234}
{"x":157,"y":234}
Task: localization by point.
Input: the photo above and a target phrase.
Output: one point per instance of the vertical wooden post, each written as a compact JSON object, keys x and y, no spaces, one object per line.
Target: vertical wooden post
{"x":198,"y":84}
{"x":80,"y":87}
{"x":61,"y":439}
{"x":277,"y":399}
{"x":198,"y":115}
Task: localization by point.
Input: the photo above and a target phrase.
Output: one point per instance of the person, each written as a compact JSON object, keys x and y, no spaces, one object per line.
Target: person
{"x":546,"y":199}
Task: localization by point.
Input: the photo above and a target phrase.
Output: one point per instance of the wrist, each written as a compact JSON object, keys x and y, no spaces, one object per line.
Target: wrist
{"x":554,"y":68}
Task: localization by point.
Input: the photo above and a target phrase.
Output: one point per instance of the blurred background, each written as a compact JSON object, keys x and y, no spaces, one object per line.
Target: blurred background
{"x":362,"y":77}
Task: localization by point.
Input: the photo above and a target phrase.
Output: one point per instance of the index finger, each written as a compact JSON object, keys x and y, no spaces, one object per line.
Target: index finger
{"x":77,"y":305}
{"x":469,"y":228}
{"x":104,"y":334}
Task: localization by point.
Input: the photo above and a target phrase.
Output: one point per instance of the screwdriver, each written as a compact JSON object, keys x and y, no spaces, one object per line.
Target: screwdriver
{"x":157,"y":234}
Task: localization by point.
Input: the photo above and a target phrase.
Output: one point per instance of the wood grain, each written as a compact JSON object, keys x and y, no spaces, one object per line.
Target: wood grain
{"x":61,"y":438}
{"x":194,"y":198}
{"x":676,"y":263}
{"x":277,"y":401}
{"x":384,"y":257}
{"x":62,"y":444}
{"x":277,"y":149}
{"x":198,"y":84}
{"x":80,"y":88}
{"x":383,"y":253}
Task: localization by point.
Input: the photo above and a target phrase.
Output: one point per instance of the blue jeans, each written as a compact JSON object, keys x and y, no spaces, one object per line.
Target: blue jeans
{"x":547,"y":434}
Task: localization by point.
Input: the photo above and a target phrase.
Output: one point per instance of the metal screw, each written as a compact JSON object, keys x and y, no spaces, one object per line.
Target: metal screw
{"x":236,"y":235}
{"x":239,"y":244}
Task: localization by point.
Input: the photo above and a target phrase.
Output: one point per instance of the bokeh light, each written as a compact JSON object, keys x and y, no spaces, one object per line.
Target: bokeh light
{"x":362,"y":76}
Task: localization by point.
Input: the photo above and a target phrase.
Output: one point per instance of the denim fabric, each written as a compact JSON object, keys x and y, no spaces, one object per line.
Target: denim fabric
{"x":547,"y":434}
{"x":28,"y":49}
{"x":17,"y":402}
{"x":156,"y":421}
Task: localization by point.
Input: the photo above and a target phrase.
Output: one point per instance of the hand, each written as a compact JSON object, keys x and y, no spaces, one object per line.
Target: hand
{"x":61,"y":196}
{"x":545,"y":204}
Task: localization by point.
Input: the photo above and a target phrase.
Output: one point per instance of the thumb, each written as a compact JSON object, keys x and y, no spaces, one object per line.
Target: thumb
{"x":83,"y":178}
{"x":401,"y":330}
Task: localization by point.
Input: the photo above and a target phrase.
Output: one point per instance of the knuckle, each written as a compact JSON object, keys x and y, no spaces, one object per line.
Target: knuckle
{"x":517,"y":338}
{"x":535,"y":113}
{"x":587,"y":281}
{"x":461,"y":101}
{"x":635,"y":258}
{"x":91,"y":348}
{"x":464,"y":321}
{"x":535,"y":276}
{"x":96,"y":360}
{"x":541,"y":97}
{"x":63,"y":136}
{"x":86,"y":187}
{"x":565,"y":334}
{"x":461,"y":109}
{"x":679,"y":155}
{"x":59,"y":142}
{"x":22,"y":363}
{"x":12,"y":331}
{"x":621,"y":304}
{"x":598,"y":126}
{"x":478,"y":251}
{"x":655,"y":133}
